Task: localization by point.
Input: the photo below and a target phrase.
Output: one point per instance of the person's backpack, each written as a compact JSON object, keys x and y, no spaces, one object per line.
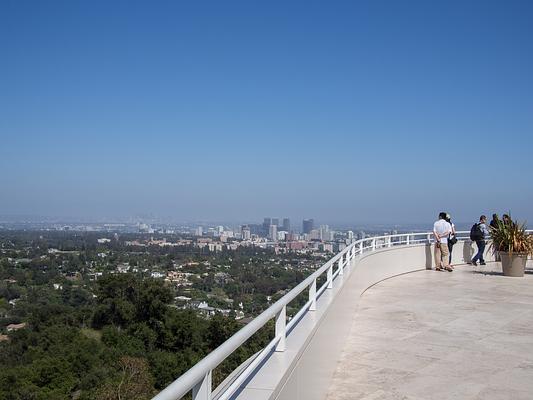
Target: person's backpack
{"x":476,"y":233}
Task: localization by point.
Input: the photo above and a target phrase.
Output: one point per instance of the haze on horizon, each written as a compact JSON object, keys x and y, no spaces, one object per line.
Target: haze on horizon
{"x":370,"y":112}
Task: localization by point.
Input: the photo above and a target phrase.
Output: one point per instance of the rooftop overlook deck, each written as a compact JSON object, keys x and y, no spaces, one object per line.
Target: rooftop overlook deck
{"x":438,"y":335}
{"x":385,"y":326}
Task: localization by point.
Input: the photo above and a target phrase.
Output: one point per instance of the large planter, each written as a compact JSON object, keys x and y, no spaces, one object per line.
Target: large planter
{"x":513,"y":264}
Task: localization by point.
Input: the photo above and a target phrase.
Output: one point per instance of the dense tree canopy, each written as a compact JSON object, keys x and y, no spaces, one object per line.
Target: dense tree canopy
{"x":134,"y":344}
{"x":123,"y":335}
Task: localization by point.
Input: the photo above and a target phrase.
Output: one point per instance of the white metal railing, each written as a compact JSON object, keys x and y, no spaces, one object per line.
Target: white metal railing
{"x":198,"y":378}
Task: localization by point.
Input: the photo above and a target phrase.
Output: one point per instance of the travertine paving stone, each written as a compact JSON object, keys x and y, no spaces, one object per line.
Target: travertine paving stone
{"x":437,"y":335}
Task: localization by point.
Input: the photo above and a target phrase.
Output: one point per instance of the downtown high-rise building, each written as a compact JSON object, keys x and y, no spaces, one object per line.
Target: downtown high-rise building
{"x":245,"y":232}
{"x":267,"y":221}
{"x":273,"y":232}
{"x":325,"y":233}
{"x":286,"y":225}
{"x":257,"y":229}
{"x":307,"y":225}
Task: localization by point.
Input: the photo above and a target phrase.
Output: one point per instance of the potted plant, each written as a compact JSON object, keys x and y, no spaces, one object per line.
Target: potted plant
{"x":513,"y":244}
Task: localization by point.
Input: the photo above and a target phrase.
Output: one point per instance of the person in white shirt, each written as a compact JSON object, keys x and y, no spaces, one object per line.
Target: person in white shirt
{"x":441,"y":231}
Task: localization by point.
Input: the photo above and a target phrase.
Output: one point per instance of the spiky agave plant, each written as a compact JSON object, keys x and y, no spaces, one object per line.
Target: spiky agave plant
{"x":511,"y":237}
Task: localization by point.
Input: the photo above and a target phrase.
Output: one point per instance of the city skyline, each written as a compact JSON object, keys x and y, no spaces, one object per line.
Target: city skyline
{"x":162,"y":225}
{"x":332,"y":111}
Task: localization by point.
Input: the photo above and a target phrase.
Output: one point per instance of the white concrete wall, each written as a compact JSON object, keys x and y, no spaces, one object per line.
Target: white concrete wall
{"x":304,"y":371}
{"x":312,"y":374}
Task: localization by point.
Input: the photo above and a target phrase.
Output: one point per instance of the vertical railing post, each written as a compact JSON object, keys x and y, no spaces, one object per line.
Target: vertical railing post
{"x":389,"y":244}
{"x":429,"y":237}
{"x":407,"y":239}
{"x":361,"y":247}
{"x":312,"y":295}
{"x":341,"y":264}
{"x":202,"y":390}
{"x":281,"y":328}
{"x":373,"y":244}
{"x":330,"y":276}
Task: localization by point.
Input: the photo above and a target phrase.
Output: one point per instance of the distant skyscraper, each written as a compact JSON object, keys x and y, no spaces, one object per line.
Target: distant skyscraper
{"x":273,"y":232}
{"x":267,"y":221}
{"x":245,"y":232}
{"x":286,"y":224}
{"x":257,"y":229}
{"x":324,"y":232}
{"x":308,"y":225}
{"x":275,"y":221}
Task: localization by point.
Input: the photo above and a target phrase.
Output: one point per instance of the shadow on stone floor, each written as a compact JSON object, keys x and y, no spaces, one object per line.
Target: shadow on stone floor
{"x":496,"y":273}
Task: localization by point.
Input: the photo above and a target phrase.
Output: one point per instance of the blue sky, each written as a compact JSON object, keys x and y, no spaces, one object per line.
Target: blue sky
{"x":343,"y":111}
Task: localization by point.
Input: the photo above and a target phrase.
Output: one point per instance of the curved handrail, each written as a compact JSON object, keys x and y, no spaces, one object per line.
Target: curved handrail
{"x":198,"y":378}
{"x":196,"y":374}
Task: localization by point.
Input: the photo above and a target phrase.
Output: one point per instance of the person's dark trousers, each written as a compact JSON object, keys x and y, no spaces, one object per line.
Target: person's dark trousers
{"x":450,"y":247}
{"x":480,"y":251}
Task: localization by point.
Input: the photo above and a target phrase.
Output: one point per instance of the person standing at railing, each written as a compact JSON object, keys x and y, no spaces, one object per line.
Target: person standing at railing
{"x":507,"y":219}
{"x":452,"y":239}
{"x":478,"y":233}
{"x":442,"y":230}
{"x":495,"y":219}
{"x":492,"y":225}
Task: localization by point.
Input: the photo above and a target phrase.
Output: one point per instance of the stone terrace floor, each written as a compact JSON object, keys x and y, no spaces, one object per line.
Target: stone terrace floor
{"x":430,"y":335}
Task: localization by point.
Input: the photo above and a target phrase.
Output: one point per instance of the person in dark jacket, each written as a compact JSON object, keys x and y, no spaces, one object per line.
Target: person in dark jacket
{"x":481,"y":241}
{"x":506,"y":219}
{"x":452,"y":239}
{"x":493,"y":225}
{"x":494,"y":221}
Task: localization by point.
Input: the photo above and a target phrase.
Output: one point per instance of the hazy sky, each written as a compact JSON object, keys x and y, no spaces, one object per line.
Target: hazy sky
{"x":384,"y":111}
